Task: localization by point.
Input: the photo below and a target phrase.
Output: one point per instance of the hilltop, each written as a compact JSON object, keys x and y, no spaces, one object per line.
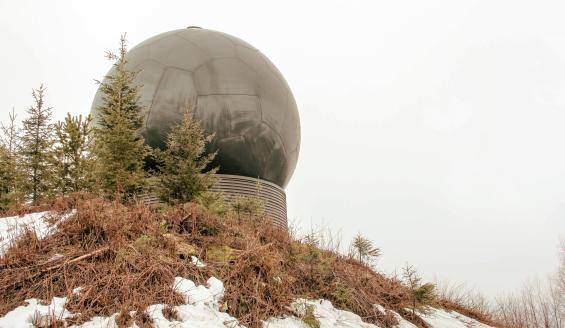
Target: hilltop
{"x":95,"y":262}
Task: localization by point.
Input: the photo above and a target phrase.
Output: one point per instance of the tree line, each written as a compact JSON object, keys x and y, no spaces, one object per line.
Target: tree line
{"x":41,"y":159}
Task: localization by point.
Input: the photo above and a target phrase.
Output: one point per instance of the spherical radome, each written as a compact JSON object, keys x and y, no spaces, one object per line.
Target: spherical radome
{"x":235,"y":91}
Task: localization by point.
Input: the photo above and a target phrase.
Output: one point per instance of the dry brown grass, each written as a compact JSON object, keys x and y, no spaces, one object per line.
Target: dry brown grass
{"x":171,"y":313}
{"x":103,"y":255}
{"x":126,"y":257}
{"x":47,"y":321}
{"x":482,"y":316}
{"x":56,"y":204}
{"x":469,"y":302}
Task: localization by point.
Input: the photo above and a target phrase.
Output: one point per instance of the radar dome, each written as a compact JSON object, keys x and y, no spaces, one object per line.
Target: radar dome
{"x":235,"y":92}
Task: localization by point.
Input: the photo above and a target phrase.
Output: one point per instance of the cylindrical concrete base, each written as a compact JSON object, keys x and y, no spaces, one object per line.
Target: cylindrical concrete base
{"x":272,"y":196}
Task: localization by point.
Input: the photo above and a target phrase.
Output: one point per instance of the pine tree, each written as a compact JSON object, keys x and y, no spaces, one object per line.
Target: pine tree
{"x":74,"y":154}
{"x":119,"y":147}
{"x":7,"y":178}
{"x":36,"y":148}
{"x":363,"y":249}
{"x":420,"y":294}
{"x":183,"y":162}
{"x":9,"y":173}
{"x":10,"y":134}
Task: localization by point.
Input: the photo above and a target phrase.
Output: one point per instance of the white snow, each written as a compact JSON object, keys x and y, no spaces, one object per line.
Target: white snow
{"x":441,"y":318}
{"x":209,"y":294}
{"x":330,"y":317}
{"x":202,"y":309}
{"x":11,"y":227}
{"x":100,"y":322}
{"x":23,"y":316}
{"x":197,"y":262}
{"x":324,"y":312}
{"x":401,"y":322}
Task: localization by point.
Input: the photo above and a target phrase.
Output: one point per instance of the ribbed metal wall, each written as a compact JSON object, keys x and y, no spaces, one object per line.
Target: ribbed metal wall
{"x":273,"y":196}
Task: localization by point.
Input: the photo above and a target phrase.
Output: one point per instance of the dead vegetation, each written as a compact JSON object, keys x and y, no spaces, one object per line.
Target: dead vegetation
{"x":125,"y":257}
{"x":469,"y":302}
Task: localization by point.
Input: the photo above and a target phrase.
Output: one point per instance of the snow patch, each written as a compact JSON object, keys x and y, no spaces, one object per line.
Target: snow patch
{"x":101,"y":322}
{"x":330,"y":317}
{"x":442,"y":318}
{"x":202,"y":310}
{"x":402,"y":323}
{"x":13,"y":226}
{"x":197,"y":262}
{"x":326,"y":314}
{"x":23,"y":316}
{"x":209,"y":294}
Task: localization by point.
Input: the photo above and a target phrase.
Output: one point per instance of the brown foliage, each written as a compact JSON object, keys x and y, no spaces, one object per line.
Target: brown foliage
{"x":456,"y":297}
{"x":125,"y":257}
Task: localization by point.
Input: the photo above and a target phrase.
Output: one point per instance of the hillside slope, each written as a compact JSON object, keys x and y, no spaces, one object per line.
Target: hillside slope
{"x":94,"y":263}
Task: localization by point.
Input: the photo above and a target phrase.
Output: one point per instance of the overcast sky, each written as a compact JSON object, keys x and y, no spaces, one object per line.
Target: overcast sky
{"x":436,"y":128}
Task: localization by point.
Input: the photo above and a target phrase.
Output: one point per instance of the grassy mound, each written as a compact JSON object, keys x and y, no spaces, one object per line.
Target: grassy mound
{"x":125,"y":258}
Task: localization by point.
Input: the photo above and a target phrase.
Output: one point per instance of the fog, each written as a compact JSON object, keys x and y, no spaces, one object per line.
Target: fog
{"x":435,"y":128}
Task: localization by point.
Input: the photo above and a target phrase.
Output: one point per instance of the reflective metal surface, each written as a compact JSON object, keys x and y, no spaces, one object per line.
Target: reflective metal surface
{"x":237,"y":93}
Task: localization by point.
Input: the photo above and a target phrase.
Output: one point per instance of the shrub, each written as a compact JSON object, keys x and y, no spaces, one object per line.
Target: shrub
{"x":421,"y":295}
{"x":309,"y":318}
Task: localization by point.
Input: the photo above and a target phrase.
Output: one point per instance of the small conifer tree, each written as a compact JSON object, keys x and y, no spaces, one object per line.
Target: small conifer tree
{"x":214,"y":202}
{"x":74,"y":154}
{"x":420,"y":294}
{"x":9,"y":173}
{"x":251,"y":206}
{"x":10,"y":134}
{"x":363,"y":250}
{"x":7,"y":178}
{"x":35,"y":148}
{"x":183,"y":162}
{"x":119,"y":146}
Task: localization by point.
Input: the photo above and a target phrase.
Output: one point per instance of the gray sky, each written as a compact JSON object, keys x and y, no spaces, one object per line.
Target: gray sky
{"x":435,"y":128}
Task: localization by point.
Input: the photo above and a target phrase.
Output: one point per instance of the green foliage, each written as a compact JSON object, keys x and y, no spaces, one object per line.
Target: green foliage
{"x":10,"y":134}
{"x":363,"y":249}
{"x":213,"y":202}
{"x":35,"y":148}
{"x":250,"y":206}
{"x":421,"y":295}
{"x":342,"y":295}
{"x":308,"y":254}
{"x":10,"y":175}
{"x":74,"y":154}
{"x":7,"y":178}
{"x":425,"y":294}
{"x":309,"y":318}
{"x":183,"y":161}
{"x":119,"y":146}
